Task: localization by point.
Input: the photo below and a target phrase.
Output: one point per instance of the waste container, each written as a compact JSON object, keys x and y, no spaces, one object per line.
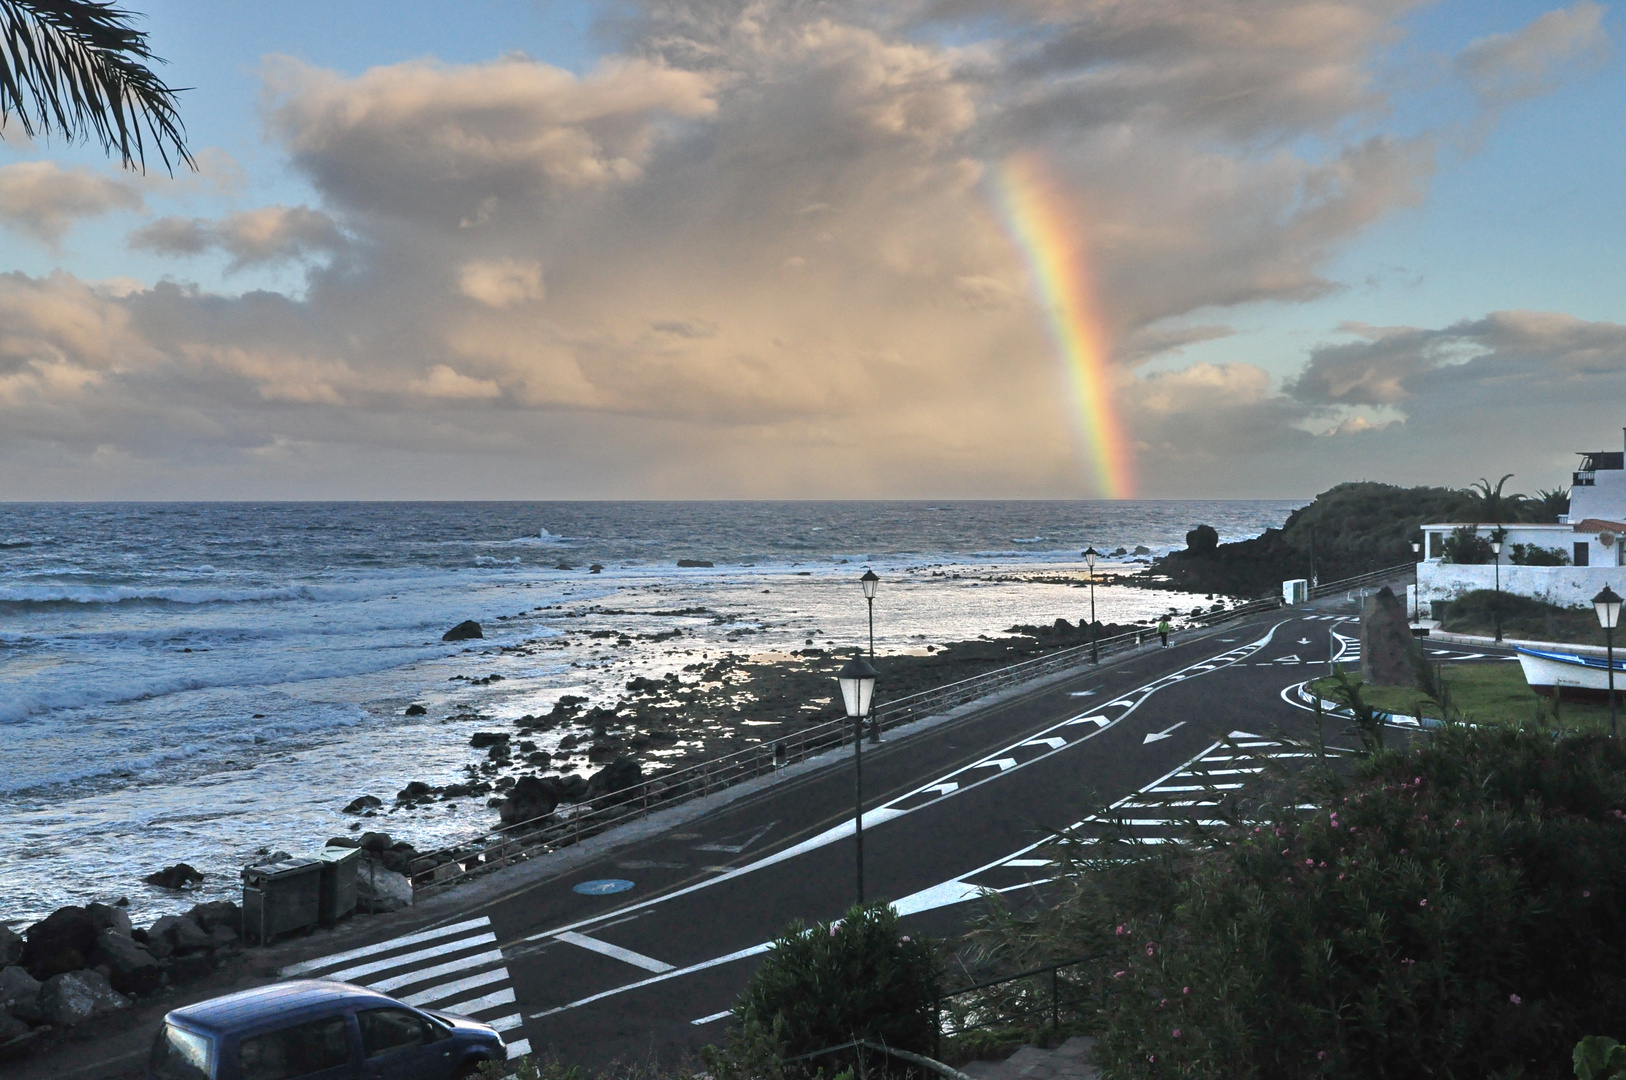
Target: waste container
{"x":1295,"y":591}
{"x":338,"y":882}
{"x":279,"y":897}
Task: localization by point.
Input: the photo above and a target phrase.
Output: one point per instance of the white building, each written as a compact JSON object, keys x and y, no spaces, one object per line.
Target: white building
{"x":1590,"y":537}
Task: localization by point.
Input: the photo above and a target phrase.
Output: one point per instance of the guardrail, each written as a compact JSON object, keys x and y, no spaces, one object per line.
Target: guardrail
{"x":1369,"y":578}
{"x":521,"y":841}
{"x":1024,"y":1002}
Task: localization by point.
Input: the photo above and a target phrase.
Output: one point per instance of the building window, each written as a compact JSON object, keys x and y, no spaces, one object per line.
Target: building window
{"x":1436,"y":545}
{"x":1582,"y":553}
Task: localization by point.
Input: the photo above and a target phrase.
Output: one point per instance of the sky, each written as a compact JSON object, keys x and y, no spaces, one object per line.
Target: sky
{"x":829,"y":249}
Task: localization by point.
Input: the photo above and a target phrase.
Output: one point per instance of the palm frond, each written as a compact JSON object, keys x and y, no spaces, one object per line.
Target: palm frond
{"x":77,"y":68}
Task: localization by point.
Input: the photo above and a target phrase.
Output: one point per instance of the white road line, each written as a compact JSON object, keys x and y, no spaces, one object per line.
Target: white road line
{"x":352,"y":973}
{"x":518,"y":1048}
{"x":713,"y":1018}
{"x":1029,"y":862}
{"x":384,"y":946}
{"x":755,"y":950}
{"x":481,"y":1004}
{"x":1193,"y":787}
{"x":616,"y":952}
{"x":465,"y":963}
{"x":446,"y":990}
{"x":1054,"y":742}
{"x":507,"y":1023}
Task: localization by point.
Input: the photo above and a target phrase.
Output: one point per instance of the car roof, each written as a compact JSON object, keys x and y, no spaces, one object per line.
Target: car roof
{"x":285,"y":1001}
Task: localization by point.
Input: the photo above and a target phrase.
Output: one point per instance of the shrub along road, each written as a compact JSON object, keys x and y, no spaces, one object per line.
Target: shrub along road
{"x":644,"y":948}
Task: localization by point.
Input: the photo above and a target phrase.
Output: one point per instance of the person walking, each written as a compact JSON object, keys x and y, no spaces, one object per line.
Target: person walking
{"x":1163,"y":630}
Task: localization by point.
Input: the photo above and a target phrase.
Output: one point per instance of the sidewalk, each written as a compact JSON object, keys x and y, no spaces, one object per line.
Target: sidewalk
{"x":1508,"y":643}
{"x":1069,"y":1061}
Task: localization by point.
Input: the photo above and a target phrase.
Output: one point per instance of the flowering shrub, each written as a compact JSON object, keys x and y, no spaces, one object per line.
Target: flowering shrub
{"x":1453,"y":909}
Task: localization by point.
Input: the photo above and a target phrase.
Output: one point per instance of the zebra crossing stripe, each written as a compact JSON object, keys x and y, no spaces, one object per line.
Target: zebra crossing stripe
{"x":464,"y":950}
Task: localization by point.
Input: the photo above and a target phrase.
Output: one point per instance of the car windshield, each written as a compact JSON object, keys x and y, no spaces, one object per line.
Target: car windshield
{"x":179,"y":1054}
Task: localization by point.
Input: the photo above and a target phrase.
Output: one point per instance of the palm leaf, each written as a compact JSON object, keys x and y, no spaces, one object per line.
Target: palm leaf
{"x":78,"y":69}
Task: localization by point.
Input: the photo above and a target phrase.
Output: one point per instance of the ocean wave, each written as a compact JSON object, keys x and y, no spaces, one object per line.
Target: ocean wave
{"x":1028,"y":540}
{"x":46,"y":596}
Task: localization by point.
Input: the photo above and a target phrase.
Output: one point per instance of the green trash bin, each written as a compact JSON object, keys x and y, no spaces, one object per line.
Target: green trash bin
{"x":339,"y":865}
{"x":279,"y":897}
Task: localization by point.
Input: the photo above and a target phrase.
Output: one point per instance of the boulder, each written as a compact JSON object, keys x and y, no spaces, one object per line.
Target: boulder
{"x":19,"y":993}
{"x":363,"y":802}
{"x":463,"y":631}
{"x":694,"y":563}
{"x":192,"y":966}
{"x":61,"y":942}
{"x":217,"y":913}
{"x":375,"y":841}
{"x":1387,"y":647}
{"x":180,"y":934}
{"x":110,"y":917}
{"x":618,"y":775}
{"x":482,"y":739}
{"x":223,"y":935}
{"x":10,"y":1028}
{"x":532,"y":797}
{"x":131,"y":969}
{"x":380,"y":889}
{"x":11,"y":946}
{"x":414,"y":791}
{"x":342,"y":841}
{"x":416,"y":710}
{"x":595,"y":568}
{"x":179,"y":876}
{"x":76,"y":996}
{"x":572,"y":788}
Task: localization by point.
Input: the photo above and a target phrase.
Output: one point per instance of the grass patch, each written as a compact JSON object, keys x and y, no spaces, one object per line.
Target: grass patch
{"x":1523,"y":618}
{"x":1486,"y":692}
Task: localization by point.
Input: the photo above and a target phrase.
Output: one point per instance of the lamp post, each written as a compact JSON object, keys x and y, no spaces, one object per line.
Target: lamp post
{"x":1090,"y":555}
{"x":1416,"y":586}
{"x":857,"y":681}
{"x":1496,"y":557}
{"x":870,"y":583}
{"x":1608,"y":605}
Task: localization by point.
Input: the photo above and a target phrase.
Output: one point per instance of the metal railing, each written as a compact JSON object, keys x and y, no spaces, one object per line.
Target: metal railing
{"x":1370,"y":578}
{"x":525,"y":840}
{"x":1023,"y":1002}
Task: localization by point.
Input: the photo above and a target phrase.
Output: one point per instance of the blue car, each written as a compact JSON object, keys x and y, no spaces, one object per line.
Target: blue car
{"x":315,"y":1030}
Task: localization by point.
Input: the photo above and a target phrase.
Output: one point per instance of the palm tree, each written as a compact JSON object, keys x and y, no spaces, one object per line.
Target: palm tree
{"x":1551,"y":504}
{"x":77,"y":68}
{"x":1490,"y":504}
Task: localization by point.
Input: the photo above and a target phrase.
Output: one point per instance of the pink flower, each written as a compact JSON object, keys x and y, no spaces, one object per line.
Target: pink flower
{"x":1309,"y":862}
{"x":1176,"y":1033}
{"x":1151,"y":1057}
{"x":1117,"y":974}
{"x":1320,"y":1055}
{"x":1422,"y":903}
{"x":1120,"y":931}
{"x":1185,"y":990}
{"x":1408,"y":960}
{"x":904,"y":938}
{"x":1285,"y":850}
{"x":1516,"y":999}
{"x":1586,"y":892}
{"x":1163,"y":1004}
{"x":1151,"y":947}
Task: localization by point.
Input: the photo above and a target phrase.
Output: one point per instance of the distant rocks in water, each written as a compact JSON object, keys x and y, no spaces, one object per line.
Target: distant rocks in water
{"x":1141,"y":549}
{"x":466,"y":630}
{"x":482,"y":739}
{"x":179,"y":876}
{"x":703,"y":564}
{"x":363,"y":803}
{"x":375,"y":842}
{"x":415,"y":710}
{"x":619,"y":775}
{"x":563,"y":566}
{"x":532,"y":797}
{"x":595,"y":568}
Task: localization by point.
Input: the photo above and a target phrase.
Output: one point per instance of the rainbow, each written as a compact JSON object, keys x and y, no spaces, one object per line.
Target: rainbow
{"x":1045,"y":228}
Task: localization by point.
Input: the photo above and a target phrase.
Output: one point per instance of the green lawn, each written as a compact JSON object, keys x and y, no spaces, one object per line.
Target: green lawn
{"x":1483,"y":692}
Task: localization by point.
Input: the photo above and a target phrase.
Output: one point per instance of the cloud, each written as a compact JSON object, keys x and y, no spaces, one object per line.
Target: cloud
{"x":1557,"y":45}
{"x":43,"y":200}
{"x":772,"y":259}
{"x":264,"y":235}
{"x":501,"y":283}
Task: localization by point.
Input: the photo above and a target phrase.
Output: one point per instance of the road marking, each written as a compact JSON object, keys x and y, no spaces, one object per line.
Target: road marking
{"x":944,"y":789}
{"x":457,"y":986}
{"x":713,"y":1018}
{"x":1166,"y":733}
{"x":933,"y":791}
{"x":353,"y":973}
{"x":616,"y":952}
{"x":735,"y":849}
{"x":1054,"y":742}
{"x":742,"y":954}
{"x":425,"y":964}
{"x":1000,"y":763}
{"x":384,"y":946}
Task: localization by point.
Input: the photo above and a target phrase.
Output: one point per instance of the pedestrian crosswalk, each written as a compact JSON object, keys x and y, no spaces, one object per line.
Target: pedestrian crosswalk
{"x":455,"y":969}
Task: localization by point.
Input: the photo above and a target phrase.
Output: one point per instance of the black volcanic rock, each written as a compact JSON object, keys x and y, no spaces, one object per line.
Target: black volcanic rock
{"x":466,"y":630}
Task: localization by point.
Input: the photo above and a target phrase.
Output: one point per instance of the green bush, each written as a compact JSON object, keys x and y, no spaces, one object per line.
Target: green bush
{"x":1536,"y":555}
{"x":1454,"y":910}
{"x":830,"y":983}
{"x":1466,"y":547}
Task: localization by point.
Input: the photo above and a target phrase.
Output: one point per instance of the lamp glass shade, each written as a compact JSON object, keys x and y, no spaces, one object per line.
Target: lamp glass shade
{"x":870,"y":583}
{"x":857,"y":681}
{"x":1608,"y":605}
{"x":1496,"y":547}
{"x":1416,"y":547}
{"x":1090,"y":555}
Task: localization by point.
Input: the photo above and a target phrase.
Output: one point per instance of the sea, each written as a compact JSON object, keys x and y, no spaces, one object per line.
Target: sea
{"x":202,"y":682}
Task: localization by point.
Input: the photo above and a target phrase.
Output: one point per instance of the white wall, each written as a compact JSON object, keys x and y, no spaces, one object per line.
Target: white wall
{"x":1566,"y":586}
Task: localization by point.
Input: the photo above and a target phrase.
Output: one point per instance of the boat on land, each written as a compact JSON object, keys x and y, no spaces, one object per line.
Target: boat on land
{"x":1569,"y":674}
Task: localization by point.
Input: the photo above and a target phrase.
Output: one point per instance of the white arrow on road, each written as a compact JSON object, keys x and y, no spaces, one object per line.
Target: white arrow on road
{"x":1053,"y":742}
{"x":1304,"y":641}
{"x":945,"y":789}
{"x":1002,"y":763}
{"x":1164,"y":734}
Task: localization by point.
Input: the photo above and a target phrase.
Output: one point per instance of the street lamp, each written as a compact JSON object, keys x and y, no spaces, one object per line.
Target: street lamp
{"x":1496,"y":557}
{"x":1608,"y":605}
{"x":1416,"y":587}
{"x":1090,"y":555}
{"x":870,"y":583}
{"x":857,"y":681}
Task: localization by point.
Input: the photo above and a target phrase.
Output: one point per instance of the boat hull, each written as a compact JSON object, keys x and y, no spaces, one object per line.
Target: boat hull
{"x":1570,"y":676}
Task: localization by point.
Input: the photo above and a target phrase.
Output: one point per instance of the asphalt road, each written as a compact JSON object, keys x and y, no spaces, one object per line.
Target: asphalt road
{"x":642,"y":951}
{"x":597,"y":975}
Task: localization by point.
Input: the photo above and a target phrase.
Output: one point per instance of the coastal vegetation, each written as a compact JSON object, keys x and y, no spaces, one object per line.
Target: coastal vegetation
{"x":1483,"y":693}
{"x":1523,"y":617}
{"x":1347,"y":530}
